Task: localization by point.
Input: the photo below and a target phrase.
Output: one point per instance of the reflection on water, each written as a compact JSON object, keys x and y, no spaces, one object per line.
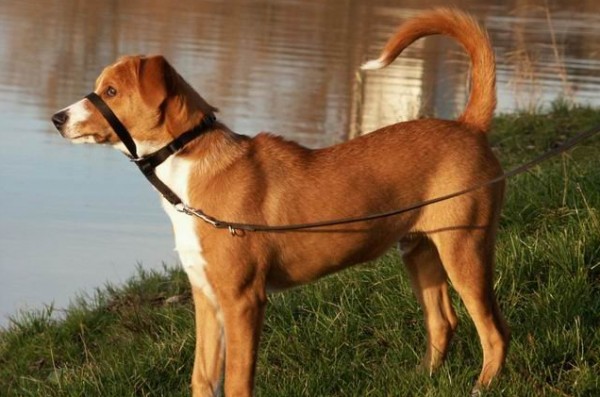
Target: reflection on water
{"x":73,"y":217}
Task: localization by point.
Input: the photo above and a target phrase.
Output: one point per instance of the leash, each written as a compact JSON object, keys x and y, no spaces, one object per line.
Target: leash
{"x":233,"y":226}
{"x":148,"y":164}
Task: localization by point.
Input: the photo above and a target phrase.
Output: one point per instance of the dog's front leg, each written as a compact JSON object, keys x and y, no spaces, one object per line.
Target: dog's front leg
{"x":208,"y":361}
{"x":243,"y":315}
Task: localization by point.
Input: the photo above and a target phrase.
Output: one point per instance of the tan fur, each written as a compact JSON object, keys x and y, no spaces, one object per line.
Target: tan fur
{"x":268,"y":180}
{"x":462,"y":27}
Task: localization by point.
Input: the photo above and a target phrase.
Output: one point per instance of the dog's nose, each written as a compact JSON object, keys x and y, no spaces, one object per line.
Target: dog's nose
{"x":60,"y":118}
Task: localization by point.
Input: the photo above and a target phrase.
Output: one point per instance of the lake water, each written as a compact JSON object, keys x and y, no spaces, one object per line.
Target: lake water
{"x":75,"y":217}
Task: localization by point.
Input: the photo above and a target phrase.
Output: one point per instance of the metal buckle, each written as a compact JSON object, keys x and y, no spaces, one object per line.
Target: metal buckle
{"x":181,"y":207}
{"x":135,"y":159}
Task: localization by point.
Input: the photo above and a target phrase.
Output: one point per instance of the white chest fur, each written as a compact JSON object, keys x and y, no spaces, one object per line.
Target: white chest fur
{"x":175,"y":173}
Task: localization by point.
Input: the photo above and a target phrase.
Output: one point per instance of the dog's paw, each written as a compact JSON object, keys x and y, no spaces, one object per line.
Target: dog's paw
{"x":476,"y":391}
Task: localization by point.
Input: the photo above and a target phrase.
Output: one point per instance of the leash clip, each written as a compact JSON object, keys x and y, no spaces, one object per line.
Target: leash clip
{"x":183,"y":208}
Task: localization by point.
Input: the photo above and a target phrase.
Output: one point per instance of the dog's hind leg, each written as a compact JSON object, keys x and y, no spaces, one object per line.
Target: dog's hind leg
{"x":210,"y":347}
{"x":429,"y":283}
{"x":467,"y":256}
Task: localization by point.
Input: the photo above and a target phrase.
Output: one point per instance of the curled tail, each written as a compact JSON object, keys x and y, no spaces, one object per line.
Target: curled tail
{"x":463,"y":28}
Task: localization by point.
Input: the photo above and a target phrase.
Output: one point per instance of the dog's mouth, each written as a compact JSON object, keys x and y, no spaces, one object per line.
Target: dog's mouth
{"x":88,"y":138}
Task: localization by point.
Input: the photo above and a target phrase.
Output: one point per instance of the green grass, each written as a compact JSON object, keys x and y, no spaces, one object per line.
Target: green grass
{"x":360,"y":332}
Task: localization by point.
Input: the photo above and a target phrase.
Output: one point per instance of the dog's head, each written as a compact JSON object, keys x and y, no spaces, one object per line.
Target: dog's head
{"x":147,"y":95}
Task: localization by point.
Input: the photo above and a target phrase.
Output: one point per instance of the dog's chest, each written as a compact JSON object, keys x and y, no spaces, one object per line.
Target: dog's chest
{"x":176,"y":173}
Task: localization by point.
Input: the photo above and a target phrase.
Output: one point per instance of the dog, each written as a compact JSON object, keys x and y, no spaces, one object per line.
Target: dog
{"x":268,"y":180}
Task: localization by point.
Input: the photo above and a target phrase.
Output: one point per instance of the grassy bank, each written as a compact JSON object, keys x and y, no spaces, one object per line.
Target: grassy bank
{"x":360,"y":333}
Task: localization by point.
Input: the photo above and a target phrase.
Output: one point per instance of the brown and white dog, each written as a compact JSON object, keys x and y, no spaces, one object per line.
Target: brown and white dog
{"x":268,"y":180}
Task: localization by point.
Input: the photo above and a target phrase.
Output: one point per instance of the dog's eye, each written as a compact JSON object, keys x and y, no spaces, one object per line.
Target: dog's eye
{"x":111,"y":92}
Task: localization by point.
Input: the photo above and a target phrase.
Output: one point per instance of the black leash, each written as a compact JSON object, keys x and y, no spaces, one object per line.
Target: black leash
{"x":233,"y":226}
{"x":148,"y":164}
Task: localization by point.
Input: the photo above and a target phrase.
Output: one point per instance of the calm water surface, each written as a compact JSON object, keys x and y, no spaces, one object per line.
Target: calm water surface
{"x":75,"y":217}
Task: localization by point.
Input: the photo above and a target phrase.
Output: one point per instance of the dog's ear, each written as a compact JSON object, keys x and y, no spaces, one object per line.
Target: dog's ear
{"x":164,"y":89}
{"x":156,"y":80}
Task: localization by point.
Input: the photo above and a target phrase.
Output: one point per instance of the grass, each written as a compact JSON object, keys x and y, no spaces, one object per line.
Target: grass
{"x":360,"y":332}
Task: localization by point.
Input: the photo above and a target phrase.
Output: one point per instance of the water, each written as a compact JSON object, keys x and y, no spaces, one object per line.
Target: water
{"x":74,"y":217}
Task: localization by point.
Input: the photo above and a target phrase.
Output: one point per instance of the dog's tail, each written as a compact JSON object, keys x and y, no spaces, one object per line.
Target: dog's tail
{"x":462,"y":27}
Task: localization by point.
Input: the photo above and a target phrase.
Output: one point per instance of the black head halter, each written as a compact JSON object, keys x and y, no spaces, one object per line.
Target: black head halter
{"x":147,"y":164}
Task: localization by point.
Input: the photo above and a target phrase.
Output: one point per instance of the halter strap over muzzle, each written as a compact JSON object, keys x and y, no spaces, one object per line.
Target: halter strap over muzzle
{"x":147,"y":164}
{"x":114,"y":122}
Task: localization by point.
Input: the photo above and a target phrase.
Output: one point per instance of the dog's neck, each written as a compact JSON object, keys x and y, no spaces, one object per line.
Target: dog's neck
{"x":202,"y":160}
{"x":184,"y":108}
{"x":180,"y":112}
